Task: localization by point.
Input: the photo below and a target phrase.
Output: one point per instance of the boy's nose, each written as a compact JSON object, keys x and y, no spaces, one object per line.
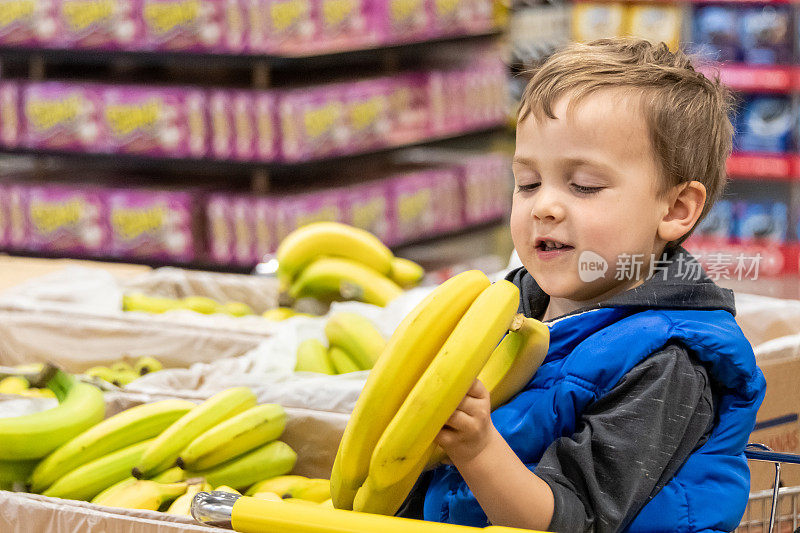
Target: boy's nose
{"x":547,"y":206}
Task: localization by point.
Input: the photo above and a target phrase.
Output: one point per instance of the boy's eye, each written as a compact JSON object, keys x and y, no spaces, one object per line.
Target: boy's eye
{"x":527,"y":188}
{"x":586,"y":190}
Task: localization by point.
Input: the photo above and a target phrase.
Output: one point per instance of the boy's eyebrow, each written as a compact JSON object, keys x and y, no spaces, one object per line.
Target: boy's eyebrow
{"x":571,"y":162}
{"x":523,"y":160}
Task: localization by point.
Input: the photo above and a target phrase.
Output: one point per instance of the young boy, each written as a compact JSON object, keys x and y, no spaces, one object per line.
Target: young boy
{"x":638,"y":418}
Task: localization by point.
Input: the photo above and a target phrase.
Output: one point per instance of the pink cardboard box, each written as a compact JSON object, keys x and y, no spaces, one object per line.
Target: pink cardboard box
{"x":5,"y":217}
{"x":28,"y":23}
{"x":220,"y":228}
{"x":66,"y":218}
{"x":402,"y":20}
{"x":244,"y":232}
{"x":295,"y":211}
{"x":347,"y":25}
{"x":61,"y":116}
{"x":100,"y":24}
{"x":426,"y":203}
{"x":10,"y":114}
{"x":221,"y":124}
{"x":284,"y":26}
{"x":152,"y":224}
{"x":267,"y":146}
{"x":169,"y":122}
{"x":16,"y":202}
{"x":409,"y":109}
{"x":242,"y":125}
{"x":369,"y":207}
{"x":367,"y":114}
{"x":487,"y":184}
{"x":266,"y":226}
{"x":215,"y":26}
{"x":313,"y":122}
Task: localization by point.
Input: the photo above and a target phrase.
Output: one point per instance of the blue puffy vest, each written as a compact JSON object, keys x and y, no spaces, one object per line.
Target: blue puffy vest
{"x":589,"y":353}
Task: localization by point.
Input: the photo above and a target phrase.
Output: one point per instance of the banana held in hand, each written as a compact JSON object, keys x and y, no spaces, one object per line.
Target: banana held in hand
{"x":32,"y":436}
{"x":357,"y":336}
{"x":312,"y":356}
{"x":307,"y":243}
{"x":168,"y":445}
{"x":87,"y":481}
{"x":415,"y":342}
{"x":406,"y":273}
{"x":444,"y":384}
{"x":233,"y":437}
{"x":141,"y":494}
{"x":273,"y":459}
{"x":128,"y":427}
{"x":336,"y":278}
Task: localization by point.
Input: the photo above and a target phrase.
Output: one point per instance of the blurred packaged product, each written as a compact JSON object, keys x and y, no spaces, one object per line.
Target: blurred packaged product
{"x":592,"y":21}
{"x":716,"y":32}
{"x":766,"y":34}
{"x":765,"y":124}
{"x":656,"y":23}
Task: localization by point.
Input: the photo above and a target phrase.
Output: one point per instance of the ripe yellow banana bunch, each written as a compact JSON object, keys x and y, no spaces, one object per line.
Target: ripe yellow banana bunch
{"x":355,"y":344}
{"x":459,"y":332}
{"x":333,"y":261}
{"x":199,"y":304}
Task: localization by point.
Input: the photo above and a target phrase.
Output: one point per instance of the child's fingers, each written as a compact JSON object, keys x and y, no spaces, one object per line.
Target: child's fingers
{"x":458,"y":421}
{"x":472,"y":406}
{"x":478,"y":390}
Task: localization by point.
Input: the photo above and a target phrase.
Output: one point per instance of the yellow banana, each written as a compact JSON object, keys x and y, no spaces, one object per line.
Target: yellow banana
{"x":444,"y":384}
{"x":183,"y":504}
{"x":411,"y":348}
{"x":236,"y":309}
{"x":87,"y":481}
{"x":254,"y":515}
{"x":33,"y":436}
{"x":113,"y":489}
{"x":327,"y":503}
{"x":406,"y":273}
{"x":312,"y":356}
{"x":128,"y":427}
{"x":300,"y":501}
{"x":331,"y":238}
{"x":336,"y":278}
{"x":148,"y":304}
{"x":171,"y":475}
{"x":273,"y":459}
{"x":141,"y":494}
{"x":387,"y":501}
{"x":147,"y":365}
{"x":280,"y":485}
{"x":511,"y":365}
{"x":279,"y":313}
{"x":268,"y":496}
{"x":341,"y":361}
{"x":313,"y":490}
{"x":13,"y":385}
{"x":233,"y":437}
{"x":225,"y":488}
{"x":356,"y":335}
{"x":164,"y":450}
{"x":199,"y":304}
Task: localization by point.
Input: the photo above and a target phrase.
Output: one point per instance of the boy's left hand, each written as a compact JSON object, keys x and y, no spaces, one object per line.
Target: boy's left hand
{"x":469,"y":430}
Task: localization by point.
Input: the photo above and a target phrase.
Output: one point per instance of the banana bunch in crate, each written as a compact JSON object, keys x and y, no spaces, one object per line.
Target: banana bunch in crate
{"x":466,"y":328}
{"x":332,"y":261}
{"x":355,"y":344}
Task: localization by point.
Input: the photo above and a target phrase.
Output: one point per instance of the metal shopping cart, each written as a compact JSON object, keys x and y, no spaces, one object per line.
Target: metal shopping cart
{"x":776,"y":507}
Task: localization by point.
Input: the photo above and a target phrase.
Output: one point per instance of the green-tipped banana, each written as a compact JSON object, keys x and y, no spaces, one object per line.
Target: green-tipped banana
{"x":357,"y":336}
{"x":406,"y":273}
{"x":168,"y":445}
{"x":332,"y":278}
{"x":233,"y":437}
{"x":15,"y":472}
{"x":281,"y":485}
{"x":312,"y":356}
{"x":35,"y":435}
{"x":87,"y":481}
{"x":128,"y":427}
{"x":273,"y":459}
{"x":309,"y":242}
{"x":342,"y":361}
{"x":141,"y":494}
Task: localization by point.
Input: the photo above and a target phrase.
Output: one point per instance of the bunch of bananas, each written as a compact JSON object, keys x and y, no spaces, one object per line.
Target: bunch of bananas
{"x":333,"y":261}
{"x":466,"y":328}
{"x":19,"y":384}
{"x":199,"y":304}
{"x":128,"y":460}
{"x":279,"y":314}
{"x":121,"y":373}
{"x":355,"y":344}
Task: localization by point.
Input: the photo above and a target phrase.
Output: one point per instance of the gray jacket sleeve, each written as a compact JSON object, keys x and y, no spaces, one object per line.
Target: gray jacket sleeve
{"x":629,"y":444}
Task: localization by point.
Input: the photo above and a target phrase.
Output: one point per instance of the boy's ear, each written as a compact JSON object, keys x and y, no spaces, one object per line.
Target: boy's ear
{"x":685,"y":204}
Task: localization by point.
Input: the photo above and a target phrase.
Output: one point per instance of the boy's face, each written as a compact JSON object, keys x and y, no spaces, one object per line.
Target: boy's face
{"x":587,"y":180}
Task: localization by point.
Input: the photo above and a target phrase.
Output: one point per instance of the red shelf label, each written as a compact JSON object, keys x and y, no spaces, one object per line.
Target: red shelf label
{"x":766,"y":166}
{"x":780,"y":79}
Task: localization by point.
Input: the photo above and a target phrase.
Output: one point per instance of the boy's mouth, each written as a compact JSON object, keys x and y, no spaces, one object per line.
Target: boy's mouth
{"x":550,"y":245}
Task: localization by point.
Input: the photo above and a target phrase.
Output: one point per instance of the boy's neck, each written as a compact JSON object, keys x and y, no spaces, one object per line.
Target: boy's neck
{"x":557,"y":307}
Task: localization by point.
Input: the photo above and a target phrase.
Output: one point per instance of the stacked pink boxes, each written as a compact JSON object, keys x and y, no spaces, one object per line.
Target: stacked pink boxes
{"x":11,"y":123}
{"x":99,"y":24}
{"x":214,"y":26}
{"x":242,"y":125}
{"x":62,"y":116}
{"x":65,"y":218}
{"x":28,"y":22}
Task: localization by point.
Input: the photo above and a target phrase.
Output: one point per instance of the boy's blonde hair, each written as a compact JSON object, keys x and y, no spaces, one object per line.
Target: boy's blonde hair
{"x":687,"y":113}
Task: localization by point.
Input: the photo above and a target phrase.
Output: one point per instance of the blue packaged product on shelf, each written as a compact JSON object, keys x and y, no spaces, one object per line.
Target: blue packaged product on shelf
{"x":716,"y":33}
{"x":719,"y":222}
{"x":766,"y":34}
{"x":763,"y":221}
{"x":765,"y":124}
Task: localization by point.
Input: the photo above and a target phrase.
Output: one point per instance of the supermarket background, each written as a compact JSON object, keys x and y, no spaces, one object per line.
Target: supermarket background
{"x":199,"y":133}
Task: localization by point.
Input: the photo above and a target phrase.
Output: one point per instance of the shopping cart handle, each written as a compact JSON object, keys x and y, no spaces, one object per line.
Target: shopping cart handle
{"x":772,"y":457}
